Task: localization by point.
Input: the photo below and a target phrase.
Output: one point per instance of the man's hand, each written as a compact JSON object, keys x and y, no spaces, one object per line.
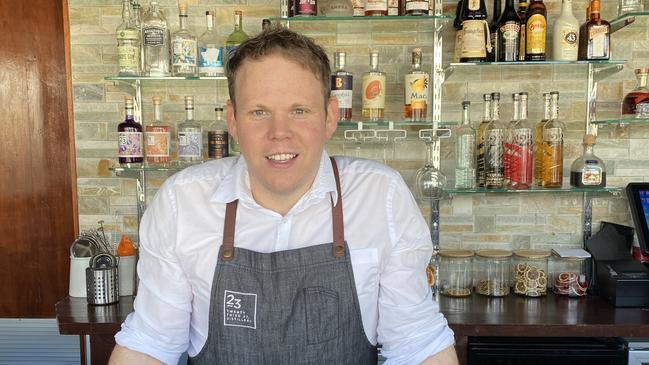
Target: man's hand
{"x":123,"y":356}
{"x":444,"y":357}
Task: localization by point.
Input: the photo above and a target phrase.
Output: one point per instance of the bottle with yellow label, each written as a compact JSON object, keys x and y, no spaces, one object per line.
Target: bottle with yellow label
{"x":416,"y":90}
{"x":374,"y":90}
{"x":535,"y":31}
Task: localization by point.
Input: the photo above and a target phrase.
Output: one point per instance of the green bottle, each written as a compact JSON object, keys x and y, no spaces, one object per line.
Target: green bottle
{"x":237,"y":36}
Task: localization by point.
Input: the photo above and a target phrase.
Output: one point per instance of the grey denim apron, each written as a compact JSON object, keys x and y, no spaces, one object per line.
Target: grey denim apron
{"x":290,"y":307}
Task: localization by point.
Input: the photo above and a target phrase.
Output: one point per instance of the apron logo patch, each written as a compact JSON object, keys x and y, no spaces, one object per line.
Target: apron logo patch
{"x":239,"y":309}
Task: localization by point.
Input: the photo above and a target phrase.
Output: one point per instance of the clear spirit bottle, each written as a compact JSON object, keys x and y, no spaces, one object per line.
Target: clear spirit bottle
{"x":190,"y":136}
{"x":184,"y":51}
{"x":465,"y":146}
{"x":342,"y":86}
{"x":217,"y":136}
{"x":137,"y":22}
{"x":237,"y":36}
{"x":480,"y":142}
{"x":636,"y":103}
{"x":588,"y":171}
{"x":158,"y":137}
{"x":155,"y":41}
{"x":210,"y":52}
{"x":552,"y":148}
{"x":129,"y":137}
{"x":128,"y":44}
{"x":493,"y":142}
{"x":374,"y":90}
{"x":415,"y":87}
{"x":508,"y":141}
{"x":520,"y":154}
{"x":538,"y":140}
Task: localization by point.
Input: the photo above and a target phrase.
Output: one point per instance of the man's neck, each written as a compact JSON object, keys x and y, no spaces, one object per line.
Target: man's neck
{"x":281,"y":204}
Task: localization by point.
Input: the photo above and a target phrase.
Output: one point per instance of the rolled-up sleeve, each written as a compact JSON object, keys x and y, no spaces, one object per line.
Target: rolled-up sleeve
{"x":411,"y":327}
{"x":159,"y":326}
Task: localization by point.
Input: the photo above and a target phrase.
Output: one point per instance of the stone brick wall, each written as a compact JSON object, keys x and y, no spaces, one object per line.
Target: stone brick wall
{"x":470,"y":221}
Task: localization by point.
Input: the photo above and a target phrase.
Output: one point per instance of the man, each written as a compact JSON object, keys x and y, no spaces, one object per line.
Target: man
{"x":283,"y":256}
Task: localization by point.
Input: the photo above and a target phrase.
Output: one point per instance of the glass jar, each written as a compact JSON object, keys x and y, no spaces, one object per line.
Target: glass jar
{"x":492,"y":272}
{"x":530,"y":268}
{"x":455,"y":272}
{"x":569,"y":274}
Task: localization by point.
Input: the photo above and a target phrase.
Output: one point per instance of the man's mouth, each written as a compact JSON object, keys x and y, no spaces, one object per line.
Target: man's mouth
{"x":281,"y":157}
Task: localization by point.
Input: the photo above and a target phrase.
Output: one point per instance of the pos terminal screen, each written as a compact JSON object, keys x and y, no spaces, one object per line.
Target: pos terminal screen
{"x":638,"y":194}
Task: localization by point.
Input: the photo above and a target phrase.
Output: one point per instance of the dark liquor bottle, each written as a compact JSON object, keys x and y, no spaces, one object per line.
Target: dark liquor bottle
{"x":636,"y":103}
{"x":598,"y":35}
{"x":535,"y":31}
{"x":588,"y":171}
{"x":129,"y":137}
{"x":583,"y":37}
{"x":522,"y":13}
{"x":457,"y":24}
{"x":475,"y":42}
{"x":493,"y":31}
{"x":509,"y":28}
{"x":342,"y":86}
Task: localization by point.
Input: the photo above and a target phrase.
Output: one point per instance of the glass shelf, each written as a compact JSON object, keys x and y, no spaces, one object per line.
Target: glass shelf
{"x":629,"y":15}
{"x":569,"y":189}
{"x":622,"y":121}
{"x":537,"y":63}
{"x":144,"y":78}
{"x":417,"y":18}
{"x":395,"y":123}
{"x":172,"y":168}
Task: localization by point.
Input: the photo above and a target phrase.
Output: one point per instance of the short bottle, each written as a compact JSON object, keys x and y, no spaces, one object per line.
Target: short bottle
{"x":210,"y":52}
{"x":190,"y":136}
{"x":588,"y":171}
{"x":237,"y":36}
{"x":158,"y":137}
{"x":129,"y":137}
{"x":342,"y":84}
{"x":636,"y":103}
{"x":494,"y":149}
{"x":565,"y":40}
{"x":480,"y":141}
{"x":217,"y":136}
{"x":156,"y":42}
{"x":305,"y":7}
{"x":184,"y":48}
{"x":376,"y":7}
{"x":536,"y":31}
{"x":508,"y":34}
{"x":521,"y":149}
{"x":598,"y":35}
{"x":416,"y":90}
{"x":476,"y":41}
{"x":416,"y":7}
{"x":465,"y":146}
{"x":374,"y":82}
{"x":552,"y":147}
{"x":128,"y":43}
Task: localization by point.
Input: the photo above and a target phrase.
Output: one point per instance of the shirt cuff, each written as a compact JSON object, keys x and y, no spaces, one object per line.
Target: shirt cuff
{"x":432,"y":343}
{"x":135,"y":341}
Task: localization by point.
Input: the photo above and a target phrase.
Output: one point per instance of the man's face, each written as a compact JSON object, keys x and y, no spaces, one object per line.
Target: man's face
{"x":281,"y":124}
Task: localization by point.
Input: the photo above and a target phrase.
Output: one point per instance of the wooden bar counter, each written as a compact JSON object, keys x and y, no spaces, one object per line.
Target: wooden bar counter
{"x":476,"y":315}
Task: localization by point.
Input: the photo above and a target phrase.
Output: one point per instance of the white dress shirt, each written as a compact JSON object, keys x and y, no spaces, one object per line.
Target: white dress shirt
{"x":389,"y":241}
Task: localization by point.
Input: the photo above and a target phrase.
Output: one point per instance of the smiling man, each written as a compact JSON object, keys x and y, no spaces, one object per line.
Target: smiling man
{"x":284,"y":255}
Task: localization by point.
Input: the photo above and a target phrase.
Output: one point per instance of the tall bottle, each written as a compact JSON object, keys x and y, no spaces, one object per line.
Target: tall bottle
{"x":465,"y":146}
{"x":476,"y":40}
{"x":129,"y":137}
{"x":581,"y":53}
{"x":190,"y":136}
{"x":184,"y":48}
{"x":128,"y":44}
{"x":522,"y":14}
{"x":374,"y":82}
{"x":598,"y":35}
{"x":217,"y":137}
{"x":535,"y":32}
{"x":210,"y":52}
{"x":376,"y":7}
{"x":158,"y":137}
{"x":565,"y":40}
{"x":493,"y":31}
{"x":480,"y":140}
{"x":494,"y":134}
{"x":508,"y":140}
{"x":416,"y":90}
{"x":552,"y":164}
{"x":588,"y":171}
{"x":342,"y":86}
{"x":156,"y":42}
{"x":538,"y":140}
{"x":636,"y":102}
{"x":237,"y":36}
{"x":509,"y":29}
{"x":521,"y":156}
{"x":137,"y":23}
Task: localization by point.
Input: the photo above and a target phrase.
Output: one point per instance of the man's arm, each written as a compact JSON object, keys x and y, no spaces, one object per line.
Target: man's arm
{"x":123,"y":356}
{"x":444,"y":357}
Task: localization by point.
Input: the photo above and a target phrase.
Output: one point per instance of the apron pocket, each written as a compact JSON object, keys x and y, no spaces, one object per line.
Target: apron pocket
{"x":321,"y":314}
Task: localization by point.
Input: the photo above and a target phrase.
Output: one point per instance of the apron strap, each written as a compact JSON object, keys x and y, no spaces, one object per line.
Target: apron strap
{"x":227,"y":248}
{"x":337,"y":217}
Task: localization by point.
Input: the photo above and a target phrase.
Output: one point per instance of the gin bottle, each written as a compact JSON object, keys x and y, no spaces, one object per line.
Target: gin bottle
{"x":190,"y":136}
{"x":493,"y":142}
{"x":465,"y":151}
{"x":210,"y":52}
{"x":480,"y":141}
{"x":552,"y":148}
{"x":538,"y":140}
{"x":520,"y":149}
{"x":184,"y":51}
{"x":237,"y":36}
{"x":342,"y":86}
{"x":374,"y":90}
{"x":155,"y":40}
{"x":129,"y":137}
{"x":508,"y":141}
{"x":158,"y":137}
{"x":588,"y":171}
{"x":128,"y":44}
{"x":416,"y":90}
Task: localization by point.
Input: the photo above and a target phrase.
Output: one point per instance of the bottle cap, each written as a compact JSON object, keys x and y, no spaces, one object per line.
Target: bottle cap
{"x":495,"y":96}
{"x":182,"y":7}
{"x":125,"y":247}
{"x":523,"y":93}
{"x":416,"y":50}
{"x":218,"y":109}
{"x":238,"y":12}
{"x":156,"y":100}
{"x":209,"y":12}
{"x":515,"y":96}
{"x":466,"y":103}
{"x":594,"y":6}
{"x":486,"y":97}
{"x":589,"y":139}
{"x":642,"y":71}
{"x":128,"y":101}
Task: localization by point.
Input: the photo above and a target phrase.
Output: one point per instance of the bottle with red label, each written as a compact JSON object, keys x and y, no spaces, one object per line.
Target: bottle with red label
{"x":305,"y":7}
{"x":374,"y":82}
{"x":520,"y":149}
{"x":129,"y":137}
{"x":158,"y":137}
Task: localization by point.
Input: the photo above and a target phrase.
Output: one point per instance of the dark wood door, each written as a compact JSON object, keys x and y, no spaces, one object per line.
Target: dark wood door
{"x":38,"y":207}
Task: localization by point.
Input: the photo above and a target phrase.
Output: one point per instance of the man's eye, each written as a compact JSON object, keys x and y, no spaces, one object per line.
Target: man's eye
{"x":300,"y":112}
{"x":258,"y":113}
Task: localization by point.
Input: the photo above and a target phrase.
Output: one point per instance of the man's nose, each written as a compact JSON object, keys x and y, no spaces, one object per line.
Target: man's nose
{"x":280,"y":128}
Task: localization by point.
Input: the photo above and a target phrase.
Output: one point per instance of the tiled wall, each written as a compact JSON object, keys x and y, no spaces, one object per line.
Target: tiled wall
{"x":470,"y":221}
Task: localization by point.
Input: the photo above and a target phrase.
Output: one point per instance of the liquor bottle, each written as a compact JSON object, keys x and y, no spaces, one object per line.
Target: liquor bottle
{"x":339,"y":8}
{"x":521,"y":157}
{"x":416,"y":7}
{"x":459,"y":34}
{"x":535,"y":32}
{"x":158,"y":137}
{"x":480,"y":140}
{"x":137,"y":22}
{"x":522,"y":14}
{"x":629,"y":6}
{"x":588,"y":171}
{"x":305,"y":7}
{"x":508,"y":142}
{"x":217,"y":137}
{"x":237,"y":36}
{"x":566,"y":34}
{"x":492,"y":56}
{"x":509,"y":29}
{"x":393,"y":8}
{"x":128,"y":44}
{"x":583,"y":37}
{"x":465,"y":145}
{"x":210,"y":52}
{"x":184,"y":51}
{"x":190,"y":136}
{"x":538,"y":140}
{"x":552,"y":149}
{"x":598,"y":33}
{"x":358,"y":7}
{"x":376,"y":7}
{"x":476,"y":40}
{"x":129,"y":137}
{"x":636,"y":103}
{"x":155,"y":40}
{"x":342,"y":86}
{"x":493,"y":142}
{"x":374,"y":90}
{"x":416,"y":90}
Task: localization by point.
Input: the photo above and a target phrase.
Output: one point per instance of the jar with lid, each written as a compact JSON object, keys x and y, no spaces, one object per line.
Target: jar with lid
{"x":455,"y":272}
{"x":492,"y":272}
{"x":568,"y":275}
{"x":530,"y":269}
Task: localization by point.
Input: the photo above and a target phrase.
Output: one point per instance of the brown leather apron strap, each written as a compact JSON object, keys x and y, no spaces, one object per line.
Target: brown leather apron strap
{"x":337,"y":217}
{"x":227,"y":248}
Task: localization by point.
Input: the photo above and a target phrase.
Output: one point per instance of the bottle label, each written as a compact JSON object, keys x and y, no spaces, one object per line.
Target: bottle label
{"x":341,"y":88}
{"x":217,"y":144}
{"x":597,"y":37}
{"x":642,"y":110}
{"x":474,"y":5}
{"x":190,"y":144}
{"x":153,"y":36}
{"x":373,"y":91}
{"x":416,"y":5}
{"x":552,"y":135}
{"x":306,"y":7}
{"x":591,"y":175}
{"x":184,"y":54}
{"x":494,"y":157}
{"x":416,"y":90}
{"x":157,"y":144}
{"x":211,"y":57}
{"x":520,"y":156}
{"x":465,"y":151}
{"x":510,"y":34}
{"x":569,"y":45}
{"x":128,"y":57}
{"x":393,"y":7}
{"x":535,"y":34}
{"x":474,"y":39}
{"x":376,"y":5}
{"x":130,"y":144}
{"x":127,"y":34}
{"x":359,"y":7}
